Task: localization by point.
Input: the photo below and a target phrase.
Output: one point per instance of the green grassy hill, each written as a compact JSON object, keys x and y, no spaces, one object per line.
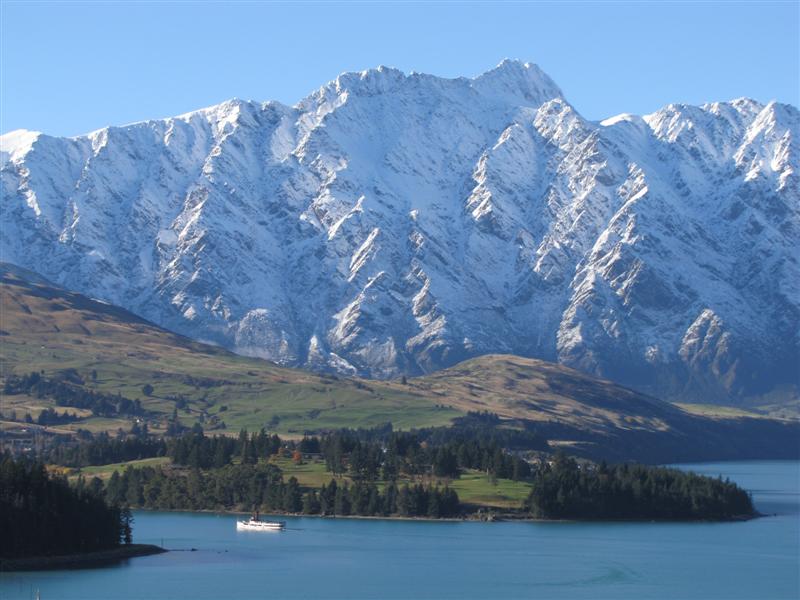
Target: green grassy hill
{"x":43,"y":327}
{"x":46,"y":328}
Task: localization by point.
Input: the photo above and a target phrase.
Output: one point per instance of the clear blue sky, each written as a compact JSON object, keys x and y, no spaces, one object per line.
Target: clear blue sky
{"x":68,"y":67}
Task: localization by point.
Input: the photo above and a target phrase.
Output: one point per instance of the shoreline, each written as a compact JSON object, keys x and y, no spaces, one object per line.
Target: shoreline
{"x":494,"y":517}
{"x":85,"y":560}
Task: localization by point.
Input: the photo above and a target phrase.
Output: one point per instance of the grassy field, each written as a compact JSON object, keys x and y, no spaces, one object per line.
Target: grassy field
{"x":473,"y":487}
{"x":106,"y":471}
{"x":49,"y":329}
{"x":476,"y":488}
{"x":310,"y":474}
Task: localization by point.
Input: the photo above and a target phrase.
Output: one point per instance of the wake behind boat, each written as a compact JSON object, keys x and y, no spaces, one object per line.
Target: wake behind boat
{"x":254,"y":523}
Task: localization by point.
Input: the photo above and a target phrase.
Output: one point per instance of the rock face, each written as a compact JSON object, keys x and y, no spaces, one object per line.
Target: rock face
{"x":393,"y":223}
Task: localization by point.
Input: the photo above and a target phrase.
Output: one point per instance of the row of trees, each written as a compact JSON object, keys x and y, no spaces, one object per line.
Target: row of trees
{"x":245,"y":486}
{"x":229,"y":487}
{"x":565,"y":491}
{"x":42,"y":515}
{"x":411,"y":454}
{"x":195,"y":449}
{"x":69,"y":391}
{"x":190,"y":448}
{"x":475,"y":442}
{"x":359,"y":454}
{"x":364,"y":455}
{"x":101,"y":449}
{"x":49,"y":416}
{"x":366,"y":499}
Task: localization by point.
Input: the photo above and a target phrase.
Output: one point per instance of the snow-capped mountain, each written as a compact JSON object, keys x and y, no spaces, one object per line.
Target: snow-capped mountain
{"x":392,"y":223}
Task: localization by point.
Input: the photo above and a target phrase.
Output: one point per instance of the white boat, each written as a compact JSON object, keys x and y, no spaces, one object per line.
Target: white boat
{"x":256,"y":524}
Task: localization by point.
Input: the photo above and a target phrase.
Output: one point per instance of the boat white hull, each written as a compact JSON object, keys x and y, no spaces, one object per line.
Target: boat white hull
{"x":259,"y":525}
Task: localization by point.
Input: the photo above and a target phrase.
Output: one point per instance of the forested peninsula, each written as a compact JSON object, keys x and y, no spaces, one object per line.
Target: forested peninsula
{"x":47,"y":523}
{"x":384,"y":473}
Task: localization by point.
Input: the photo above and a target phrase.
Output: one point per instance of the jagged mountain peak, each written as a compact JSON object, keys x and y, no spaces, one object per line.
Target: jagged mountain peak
{"x":521,"y":82}
{"x":392,"y":223}
{"x":381,"y":79}
{"x":518,"y":77}
{"x":15,"y":144}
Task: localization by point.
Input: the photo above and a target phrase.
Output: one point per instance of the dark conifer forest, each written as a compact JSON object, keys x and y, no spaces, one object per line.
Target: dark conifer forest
{"x":563,"y":490}
{"x":42,"y":515}
{"x":248,"y":486}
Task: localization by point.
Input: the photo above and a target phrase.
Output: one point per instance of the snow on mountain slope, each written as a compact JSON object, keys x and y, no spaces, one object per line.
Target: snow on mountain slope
{"x":393,"y":223}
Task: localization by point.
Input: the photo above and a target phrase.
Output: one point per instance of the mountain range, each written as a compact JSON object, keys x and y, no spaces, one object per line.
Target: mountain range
{"x":395,"y":223}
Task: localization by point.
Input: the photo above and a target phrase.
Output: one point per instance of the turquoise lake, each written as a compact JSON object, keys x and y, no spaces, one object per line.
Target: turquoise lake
{"x":351,"y":559}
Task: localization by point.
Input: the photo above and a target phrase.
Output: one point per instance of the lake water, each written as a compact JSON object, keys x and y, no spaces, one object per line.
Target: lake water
{"x":344,"y":558}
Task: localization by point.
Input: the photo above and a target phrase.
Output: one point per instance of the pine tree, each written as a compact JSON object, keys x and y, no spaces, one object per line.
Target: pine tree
{"x":311,"y":505}
{"x":374,"y":504}
{"x":404,"y":506}
{"x":341,"y":502}
{"x":292,"y":501}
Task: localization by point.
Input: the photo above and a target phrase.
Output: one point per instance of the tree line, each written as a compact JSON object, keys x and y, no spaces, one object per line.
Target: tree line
{"x":229,"y":487}
{"x":192,"y":448}
{"x":102,"y":449}
{"x":364,"y":498}
{"x":249,"y":486}
{"x":398,"y":454}
{"x":476,"y":441}
{"x":49,"y":416}
{"x":360,"y":454}
{"x":197,"y":450}
{"x":564,"y":490}
{"x":42,"y":515}
{"x":68,"y":390}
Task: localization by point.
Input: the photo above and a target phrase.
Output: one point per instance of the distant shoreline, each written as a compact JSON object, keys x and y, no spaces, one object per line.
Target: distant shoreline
{"x":85,"y":560}
{"x":490,"y":516}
